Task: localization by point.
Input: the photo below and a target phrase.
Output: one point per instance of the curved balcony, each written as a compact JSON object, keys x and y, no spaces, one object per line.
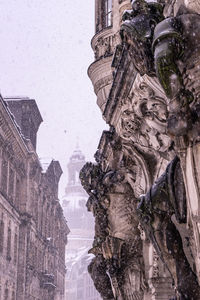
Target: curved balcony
{"x":100,"y":72}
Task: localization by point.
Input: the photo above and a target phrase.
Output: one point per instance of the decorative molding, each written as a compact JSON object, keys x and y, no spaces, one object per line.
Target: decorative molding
{"x":105,"y":46}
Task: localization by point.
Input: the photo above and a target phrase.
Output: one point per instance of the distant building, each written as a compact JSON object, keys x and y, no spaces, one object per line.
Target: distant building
{"x":79,"y":285}
{"x":33,"y":230}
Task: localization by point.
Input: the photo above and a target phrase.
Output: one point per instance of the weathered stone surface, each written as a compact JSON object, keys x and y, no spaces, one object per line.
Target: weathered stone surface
{"x":153,"y":108}
{"x":117,"y":238}
{"x":166,"y":198}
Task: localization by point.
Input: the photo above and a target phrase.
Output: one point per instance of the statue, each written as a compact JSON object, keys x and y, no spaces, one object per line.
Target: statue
{"x":169,"y":48}
{"x":117,"y":244}
{"x":166,"y":199}
{"x":137,"y":33}
{"x":100,"y":278}
{"x":91,"y":176}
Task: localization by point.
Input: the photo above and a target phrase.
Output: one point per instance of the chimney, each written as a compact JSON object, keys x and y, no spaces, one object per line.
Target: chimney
{"x":27,"y":116}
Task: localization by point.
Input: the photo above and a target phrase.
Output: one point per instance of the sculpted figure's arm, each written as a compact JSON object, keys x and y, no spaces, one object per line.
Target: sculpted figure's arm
{"x":166,"y":198}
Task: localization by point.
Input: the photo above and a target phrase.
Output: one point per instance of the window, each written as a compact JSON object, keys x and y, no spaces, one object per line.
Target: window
{"x":11,"y":183}
{"x":104,"y":14}
{"x":8,"y":256}
{"x":15,"y":248}
{"x":1,"y":235}
{"x":4,"y":176}
{"x":108,"y":13}
{"x":18,"y":193}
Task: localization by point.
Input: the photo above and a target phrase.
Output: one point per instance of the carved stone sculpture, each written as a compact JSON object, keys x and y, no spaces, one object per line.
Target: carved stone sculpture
{"x":97,"y":270}
{"x":167,"y":198}
{"x":176,"y":58}
{"x":91,"y":177}
{"x":127,"y":259}
{"x":175,"y":54}
{"x":154,"y":107}
{"x":137,"y":33}
{"x":172,"y":46}
{"x":143,"y":120}
{"x":117,"y":243}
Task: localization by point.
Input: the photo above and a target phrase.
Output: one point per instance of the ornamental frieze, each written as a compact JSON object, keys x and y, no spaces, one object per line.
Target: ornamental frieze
{"x":105,"y":46}
{"x":143,"y":118}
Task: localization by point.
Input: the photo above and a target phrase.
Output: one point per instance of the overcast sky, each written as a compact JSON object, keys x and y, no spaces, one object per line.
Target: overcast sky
{"x":45,"y":53}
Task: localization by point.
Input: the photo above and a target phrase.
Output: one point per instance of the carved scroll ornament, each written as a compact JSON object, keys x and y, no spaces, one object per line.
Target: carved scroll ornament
{"x":143,"y":120}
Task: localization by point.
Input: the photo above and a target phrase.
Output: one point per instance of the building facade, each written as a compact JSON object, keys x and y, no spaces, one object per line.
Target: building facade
{"x":144,"y":187}
{"x":33,"y":230}
{"x":79,"y":285}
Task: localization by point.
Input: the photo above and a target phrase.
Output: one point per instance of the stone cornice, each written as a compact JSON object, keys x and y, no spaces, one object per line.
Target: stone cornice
{"x":122,"y":83}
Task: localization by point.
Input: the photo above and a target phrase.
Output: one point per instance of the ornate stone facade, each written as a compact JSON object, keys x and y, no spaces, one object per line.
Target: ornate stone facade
{"x":144,"y":187}
{"x":33,"y":231}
